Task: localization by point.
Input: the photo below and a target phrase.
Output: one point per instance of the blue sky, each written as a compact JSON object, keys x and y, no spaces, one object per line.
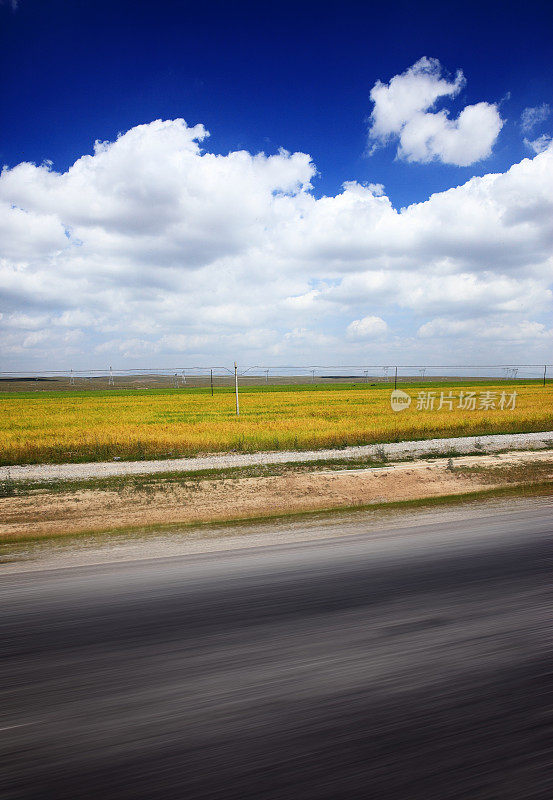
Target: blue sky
{"x":259,"y":77}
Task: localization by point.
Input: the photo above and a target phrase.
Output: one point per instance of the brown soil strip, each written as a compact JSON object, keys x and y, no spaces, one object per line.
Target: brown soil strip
{"x":50,"y":513}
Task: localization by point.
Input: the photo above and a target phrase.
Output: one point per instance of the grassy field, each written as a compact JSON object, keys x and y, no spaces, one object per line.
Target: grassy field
{"x":132,"y":424}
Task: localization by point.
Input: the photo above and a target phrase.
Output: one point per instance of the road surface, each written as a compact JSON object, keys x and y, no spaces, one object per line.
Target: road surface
{"x":412,"y":666}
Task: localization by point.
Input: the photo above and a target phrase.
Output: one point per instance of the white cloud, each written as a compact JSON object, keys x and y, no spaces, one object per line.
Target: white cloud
{"x":408,"y":94}
{"x":540,"y":144}
{"x":367,"y":328}
{"x":303,"y":336}
{"x":155,"y":249}
{"x":524,"y":331}
{"x":402,"y":110}
{"x":76,"y":318}
{"x":532,"y":116}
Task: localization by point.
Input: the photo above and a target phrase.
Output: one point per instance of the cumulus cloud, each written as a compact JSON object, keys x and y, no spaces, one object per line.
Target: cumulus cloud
{"x":403,"y":111}
{"x":367,"y":328}
{"x":533,"y":116}
{"x":155,"y":248}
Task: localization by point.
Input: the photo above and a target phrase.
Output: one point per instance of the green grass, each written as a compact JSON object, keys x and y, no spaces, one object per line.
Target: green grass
{"x":268,"y":388}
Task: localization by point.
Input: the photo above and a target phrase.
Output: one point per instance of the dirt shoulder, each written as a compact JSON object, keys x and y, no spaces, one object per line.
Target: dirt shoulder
{"x":168,"y":500}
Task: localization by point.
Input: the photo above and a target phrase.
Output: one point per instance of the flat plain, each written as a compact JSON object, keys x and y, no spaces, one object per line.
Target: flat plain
{"x":68,"y":426}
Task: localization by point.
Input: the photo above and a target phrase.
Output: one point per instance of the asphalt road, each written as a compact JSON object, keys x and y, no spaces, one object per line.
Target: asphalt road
{"x":413,"y":665}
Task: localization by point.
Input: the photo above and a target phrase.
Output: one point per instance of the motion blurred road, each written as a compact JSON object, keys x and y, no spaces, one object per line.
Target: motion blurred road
{"x":414,"y":664}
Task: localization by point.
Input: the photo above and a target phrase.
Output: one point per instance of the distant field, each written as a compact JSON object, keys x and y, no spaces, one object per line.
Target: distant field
{"x":158,"y":423}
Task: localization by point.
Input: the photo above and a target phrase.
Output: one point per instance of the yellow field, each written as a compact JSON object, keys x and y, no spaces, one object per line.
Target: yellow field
{"x":93,"y":426}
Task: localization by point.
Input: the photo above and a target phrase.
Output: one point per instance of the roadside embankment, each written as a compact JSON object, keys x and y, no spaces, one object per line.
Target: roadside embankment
{"x":42,"y":510}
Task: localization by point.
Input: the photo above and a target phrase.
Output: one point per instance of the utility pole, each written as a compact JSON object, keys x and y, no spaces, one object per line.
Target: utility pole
{"x":266,"y":376}
{"x":395,"y":380}
{"x":236,"y":387}
{"x":211,"y":380}
{"x":111,"y":382}
{"x":544,"y":373}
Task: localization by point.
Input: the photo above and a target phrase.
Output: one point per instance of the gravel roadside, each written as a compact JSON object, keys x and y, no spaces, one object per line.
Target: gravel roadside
{"x":392,"y":451}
